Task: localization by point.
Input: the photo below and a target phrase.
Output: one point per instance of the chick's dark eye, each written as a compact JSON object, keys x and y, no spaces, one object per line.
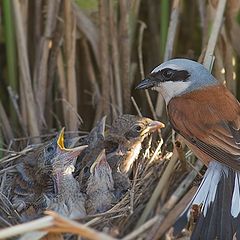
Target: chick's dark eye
{"x":86,"y":169}
{"x":167,"y":73}
{"x":50,"y":149}
{"x":138,"y":128}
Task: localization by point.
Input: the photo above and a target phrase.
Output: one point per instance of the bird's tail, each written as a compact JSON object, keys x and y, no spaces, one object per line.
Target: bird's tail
{"x":214,"y":212}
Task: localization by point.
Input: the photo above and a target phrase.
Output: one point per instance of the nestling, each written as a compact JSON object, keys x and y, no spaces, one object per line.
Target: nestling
{"x":68,"y":201}
{"x":100,"y":186}
{"x":95,"y":142}
{"x":123,"y":143}
{"x":43,"y":177}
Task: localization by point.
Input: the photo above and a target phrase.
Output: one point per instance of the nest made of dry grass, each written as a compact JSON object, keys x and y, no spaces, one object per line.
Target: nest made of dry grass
{"x":159,"y":180}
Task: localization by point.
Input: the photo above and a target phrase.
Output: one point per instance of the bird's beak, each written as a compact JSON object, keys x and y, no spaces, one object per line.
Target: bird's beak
{"x":152,"y":127}
{"x":73,"y":152}
{"x":101,"y":158}
{"x":155,"y":125}
{"x":145,"y":84}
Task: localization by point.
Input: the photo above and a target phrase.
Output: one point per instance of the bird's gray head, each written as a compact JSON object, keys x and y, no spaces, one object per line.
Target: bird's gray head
{"x":176,"y":77}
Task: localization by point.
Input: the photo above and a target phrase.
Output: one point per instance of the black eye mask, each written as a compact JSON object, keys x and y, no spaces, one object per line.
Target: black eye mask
{"x":168,"y":74}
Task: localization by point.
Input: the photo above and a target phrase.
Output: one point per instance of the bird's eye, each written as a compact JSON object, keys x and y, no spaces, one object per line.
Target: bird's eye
{"x":138,"y":128}
{"x":86,"y":169}
{"x":167,"y":73}
{"x":50,"y":149}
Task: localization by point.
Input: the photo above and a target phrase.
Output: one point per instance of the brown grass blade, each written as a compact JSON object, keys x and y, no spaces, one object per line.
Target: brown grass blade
{"x":115,"y":57}
{"x":171,"y":37}
{"x":174,"y":213}
{"x":5,"y":125}
{"x":25,"y":71}
{"x":88,"y":28}
{"x":123,"y":41}
{"x":42,"y":55}
{"x":104,"y":55}
{"x":70,"y":48}
{"x":208,"y":60}
{"x":62,"y":85}
{"x":159,"y":188}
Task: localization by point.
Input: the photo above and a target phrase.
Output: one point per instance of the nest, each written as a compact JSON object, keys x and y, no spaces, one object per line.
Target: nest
{"x":162,"y":185}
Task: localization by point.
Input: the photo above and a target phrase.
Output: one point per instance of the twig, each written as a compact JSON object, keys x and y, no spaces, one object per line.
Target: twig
{"x":104,"y":56}
{"x":175,"y":197}
{"x":165,"y":223}
{"x":132,"y":190}
{"x":42,"y":53}
{"x":90,"y":70}
{"x":140,"y":39}
{"x":104,"y":214}
{"x":62,"y":83}
{"x":86,"y":25}
{"x":124,"y":53}
{"x":208,"y":60}
{"x":73,"y":111}
{"x":159,"y":188}
{"x":27,"y":227}
{"x":194,"y":168}
{"x":6,"y":127}
{"x":172,"y":30}
{"x":115,"y":56}
{"x":64,"y":225}
{"x":70,"y":48}
{"x":140,"y":58}
{"x":93,"y":80}
{"x":25,"y":71}
{"x":172,"y":33}
{"x":16,"y":107}
{"x":54,"y":223}
{"x":141,"y":229}
{"x":156,"y":152}
{"x":136,"y":107}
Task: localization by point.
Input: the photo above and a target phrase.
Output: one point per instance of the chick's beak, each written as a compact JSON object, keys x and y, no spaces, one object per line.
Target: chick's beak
{"x":145,"y":84}
{"x":155,"y":125}
{"x":75,"y":152}
{"x":100,"y":159}
{"x":69,"y":152}
{"x":152,"y":127}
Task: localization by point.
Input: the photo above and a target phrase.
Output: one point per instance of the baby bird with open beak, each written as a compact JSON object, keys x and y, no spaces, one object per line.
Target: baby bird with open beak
{"x":44,"y":177}
{"x":69,"y":201}
{"x":100,"y":186}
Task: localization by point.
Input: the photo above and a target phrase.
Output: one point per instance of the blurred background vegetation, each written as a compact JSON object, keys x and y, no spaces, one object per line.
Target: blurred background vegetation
{"x":68,"y":63}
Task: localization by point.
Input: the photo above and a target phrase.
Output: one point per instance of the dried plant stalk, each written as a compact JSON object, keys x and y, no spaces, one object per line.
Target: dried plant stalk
{"x":214,"y":35}
{"x":87,"y":26}
{"x":62,"y":85}
{"x":158,"y":190}
{"x":5,"y":125}
{"x":42,"y":55}
{"x":171,"y":37}
{"x":91,"y":75}
{"x":70,"y":48}
{"x":104,"y":56}
{"x":25,"y":72}
{"x":115,"y":57}
{"x":125,"y":54}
